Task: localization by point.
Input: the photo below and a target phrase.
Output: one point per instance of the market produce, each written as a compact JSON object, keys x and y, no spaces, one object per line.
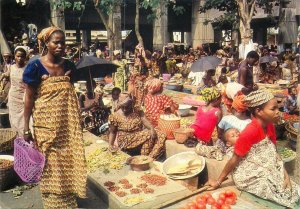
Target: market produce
{"x":144,"y":185}
{"x":184,"y":122}
{"x":114,"y":188}
{"x":185,"y":168}
{"x":123,"y":181}
{"x":148,"y":190}
{"x":224,"y":201}
{"x":170,"y":117}
{"x":104,"y":159}
{"x":154,"y":179}
{"x":133,"y":200}
{"x":109,"y":183}
{"x":127,"y":186}
{"x":286,"y":152}
{"x":6,"y":163}
{"x":135,"y":191}
{"x":121,"y":193}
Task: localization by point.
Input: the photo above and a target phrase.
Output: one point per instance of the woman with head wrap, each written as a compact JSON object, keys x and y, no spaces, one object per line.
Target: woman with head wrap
{"x":128,"y":124}
{"x":120,"y":76}
{"x":51,"y":99}
{"x":157,"y":103}
{"x":239,"y":118}
{"x":207,"y":117}
{"x":16,"y":92}
{"x":256,"y":166}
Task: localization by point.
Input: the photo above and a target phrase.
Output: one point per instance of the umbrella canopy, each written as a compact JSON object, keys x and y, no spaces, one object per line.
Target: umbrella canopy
{"x":93,"y":67}
{"x":205,"y":63}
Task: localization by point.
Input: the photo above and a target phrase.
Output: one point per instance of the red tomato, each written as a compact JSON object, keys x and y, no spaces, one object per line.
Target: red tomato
{"x":206,"y":196}
{"x":229,"y":193}
{"x":215,"y":206}
{"x":191,"y":205}
{"x":200,"y":199}
{"x":230,"y":201}
{"x":220,"y":202}
{"x":225,"y":207}
{"x":211,"y":201}
{"x":201,"y":206}
{"x":222,"y":196}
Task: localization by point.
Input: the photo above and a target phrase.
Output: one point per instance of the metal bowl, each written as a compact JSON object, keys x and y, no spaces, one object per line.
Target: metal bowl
{"x":181,"y":158}
{"x":139,"y":162}
{"x":184,"y":110}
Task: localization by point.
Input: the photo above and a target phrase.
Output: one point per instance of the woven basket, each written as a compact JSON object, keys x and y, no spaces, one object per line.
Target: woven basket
{"x":182,"y":134}
{"x":7,"y":174}
{"x":290,"y":128}
{"x":7,"y":136}
{"x":168,"y":126}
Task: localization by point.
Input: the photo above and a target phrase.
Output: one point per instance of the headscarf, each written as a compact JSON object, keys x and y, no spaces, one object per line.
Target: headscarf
{"x":239,"y":103}
{"x":209,"y":94}
{"x":45,"y":34}
{"x":153,"y":86}
{"x":124,"y":98}
{"x":257,"y":98}
{"x":25,"y":48}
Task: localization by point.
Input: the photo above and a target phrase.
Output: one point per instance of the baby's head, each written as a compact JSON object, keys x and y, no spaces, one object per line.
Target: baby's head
{"x":116,"y":93}
{"x":231,"y":135}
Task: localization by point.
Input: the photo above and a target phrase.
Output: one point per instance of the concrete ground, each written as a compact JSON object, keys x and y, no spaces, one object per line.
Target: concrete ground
{"x":32,"y":199}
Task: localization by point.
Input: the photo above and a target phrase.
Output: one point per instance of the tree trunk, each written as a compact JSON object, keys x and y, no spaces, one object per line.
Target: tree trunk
{"x":245,"y":31}
{"x":57,"y":17}
{"x":137,"y":23}
{"x":117,"y":29}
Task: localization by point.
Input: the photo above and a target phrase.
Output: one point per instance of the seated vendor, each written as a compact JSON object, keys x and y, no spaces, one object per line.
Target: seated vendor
{"x":157,"y":103}
{"x":207,"y":117}
{"x":127,"y":126}
{"x":255,"y":165}
{"x":208,"y":79}
{"x":115,"y":98}
{"x":290,"y":104}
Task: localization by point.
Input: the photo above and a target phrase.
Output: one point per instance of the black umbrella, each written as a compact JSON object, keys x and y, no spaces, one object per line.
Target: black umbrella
{"x":205,"y":63}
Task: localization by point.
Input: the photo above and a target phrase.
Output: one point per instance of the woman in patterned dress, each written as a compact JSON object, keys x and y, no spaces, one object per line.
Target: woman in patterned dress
{"x":256,"y":166}
{"x":157,"y":103}
{"x":127,"y":126}
{"x":51,"y":99}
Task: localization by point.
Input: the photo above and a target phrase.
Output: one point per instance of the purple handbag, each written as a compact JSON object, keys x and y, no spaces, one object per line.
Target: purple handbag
{"x":29,"y":162}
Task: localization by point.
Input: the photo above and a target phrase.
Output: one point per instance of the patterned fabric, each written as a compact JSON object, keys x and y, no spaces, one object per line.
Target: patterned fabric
{"x":58,"y":134}
{"x":261,"y":173}
{"x":209,"y":94}
{"x":156,"y":105}
{"x":124,"y":98}
{"x":137,"y":88}
{"x":132,"y":135}
{"x":212,"y":152}
{"x":120,"y":75}
{"x":259,"y":97}
{"x":45,"y":34}
{"x":59,"y":201}
{"x":238,"y":103}
{"x":154,"y":85}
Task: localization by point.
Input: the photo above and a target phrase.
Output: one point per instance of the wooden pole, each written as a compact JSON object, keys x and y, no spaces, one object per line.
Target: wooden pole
{"x":171,"y":202}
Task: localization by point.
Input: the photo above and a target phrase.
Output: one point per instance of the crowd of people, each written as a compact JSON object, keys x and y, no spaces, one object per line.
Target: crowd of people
{"x":45,"y":108}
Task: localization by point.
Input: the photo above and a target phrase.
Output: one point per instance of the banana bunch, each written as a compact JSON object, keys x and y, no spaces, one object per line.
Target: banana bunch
{"x":104,"y":159}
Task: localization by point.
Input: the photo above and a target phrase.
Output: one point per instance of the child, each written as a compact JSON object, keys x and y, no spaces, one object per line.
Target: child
{"x":207,"y":117}
{"x":230,"y":136}
{"x":115,"y":98}
{"x":290,"y":104}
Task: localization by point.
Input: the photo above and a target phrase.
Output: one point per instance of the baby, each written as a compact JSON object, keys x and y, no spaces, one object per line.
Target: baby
{"x":230,"y":136}
{"x":216,"y":151}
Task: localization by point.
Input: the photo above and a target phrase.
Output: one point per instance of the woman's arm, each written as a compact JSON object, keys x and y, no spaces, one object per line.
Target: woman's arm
{"x":28,"y":106}
{"x":112,"y":136}
{"x":231,"y":164}
{"x":148,"y":125}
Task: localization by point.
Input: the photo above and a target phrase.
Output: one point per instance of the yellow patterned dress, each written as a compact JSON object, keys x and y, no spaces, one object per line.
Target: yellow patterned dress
{"x":58,"y":133}
{"x":131,"y":134}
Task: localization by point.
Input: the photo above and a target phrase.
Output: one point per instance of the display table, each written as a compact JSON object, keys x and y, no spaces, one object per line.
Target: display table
{"x":96,"y":179}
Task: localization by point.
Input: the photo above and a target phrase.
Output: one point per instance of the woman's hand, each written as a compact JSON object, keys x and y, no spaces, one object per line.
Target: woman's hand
{"x":153,"y":133}
{"x":213,"y":184}
{"x":113,"y":148}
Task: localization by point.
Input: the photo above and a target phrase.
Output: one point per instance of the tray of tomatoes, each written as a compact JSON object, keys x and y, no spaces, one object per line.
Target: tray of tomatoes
{"x":224,"y":200}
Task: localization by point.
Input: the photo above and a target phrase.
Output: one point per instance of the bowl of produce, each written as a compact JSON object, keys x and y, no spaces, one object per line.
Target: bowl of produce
{"x":139,"y":162}
{"x":183,"y":165}
{"x":287,"y":154}
{"x":182,"y":134}
{"x":184,"y":110}
{"x":166,"y":77}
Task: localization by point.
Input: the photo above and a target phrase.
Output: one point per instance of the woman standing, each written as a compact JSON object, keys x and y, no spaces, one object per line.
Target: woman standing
{"x":51,"y":99}
{"x":256,"y":166}
{"x":16,"y":91}
{"x":157,"y":103}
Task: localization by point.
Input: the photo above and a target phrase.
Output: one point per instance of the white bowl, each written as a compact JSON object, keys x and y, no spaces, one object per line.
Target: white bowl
{"x":181,"y":158}
{"x":184,"y":110}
